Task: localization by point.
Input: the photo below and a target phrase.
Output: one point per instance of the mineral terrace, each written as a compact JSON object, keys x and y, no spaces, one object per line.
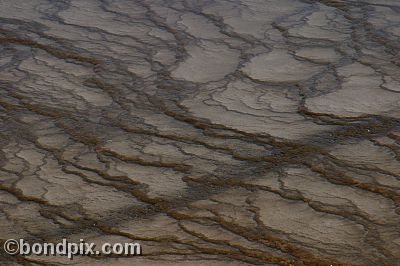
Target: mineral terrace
{"x":212,"y":132}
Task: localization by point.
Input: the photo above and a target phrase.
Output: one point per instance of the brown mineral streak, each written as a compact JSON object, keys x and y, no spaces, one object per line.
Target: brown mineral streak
{"x":243,"y":132}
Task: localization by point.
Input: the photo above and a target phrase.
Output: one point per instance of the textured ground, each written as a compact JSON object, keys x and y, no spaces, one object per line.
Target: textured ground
{"x":214,"y":132}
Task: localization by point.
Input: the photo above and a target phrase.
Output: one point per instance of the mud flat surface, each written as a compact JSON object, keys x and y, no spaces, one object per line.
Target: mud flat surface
{"x":212,"y":132}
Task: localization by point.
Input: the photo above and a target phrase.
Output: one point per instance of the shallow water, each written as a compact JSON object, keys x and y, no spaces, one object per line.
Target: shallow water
{"x":211,"y":132}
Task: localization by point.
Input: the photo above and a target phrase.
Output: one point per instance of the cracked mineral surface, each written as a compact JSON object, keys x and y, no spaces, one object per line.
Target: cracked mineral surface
{"x":212,"y":132}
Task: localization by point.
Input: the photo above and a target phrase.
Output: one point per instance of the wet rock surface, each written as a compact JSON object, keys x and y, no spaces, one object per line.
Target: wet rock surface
{"x":212,"y":132}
